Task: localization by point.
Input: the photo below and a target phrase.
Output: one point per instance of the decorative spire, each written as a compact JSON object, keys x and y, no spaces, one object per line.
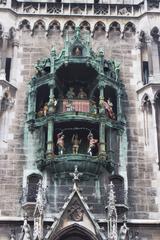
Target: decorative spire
{"x":75,"y":176}
{"x":41,"y":197}
{"x":112,"y":214}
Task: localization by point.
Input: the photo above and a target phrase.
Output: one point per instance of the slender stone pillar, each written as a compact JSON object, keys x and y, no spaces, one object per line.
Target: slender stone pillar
{"x":102,"y":148}
{"x":150,"y":60}
{"x":3,"y":55}
{"x":50,"y":149}
{"x":15,"y":45}
{"x":119,"y":107}
{"x":155,"y":136}
{"x":101,"y":98}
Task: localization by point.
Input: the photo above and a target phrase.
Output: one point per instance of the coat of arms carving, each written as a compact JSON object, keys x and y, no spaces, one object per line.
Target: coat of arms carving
{"x":76,"y":212}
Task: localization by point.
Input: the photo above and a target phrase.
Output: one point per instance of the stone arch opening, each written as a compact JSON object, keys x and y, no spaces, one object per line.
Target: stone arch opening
{"x":74,"y":232}
{"x":32,"y":185}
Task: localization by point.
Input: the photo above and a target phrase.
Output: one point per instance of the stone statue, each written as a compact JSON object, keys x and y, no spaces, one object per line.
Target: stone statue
{"x":92,"y":143}
{"x":123,"y":231}
{"x":60,"y":143}
{"x":76,"y":142}
{"x":82,"y":94}
{"x":70,"y":94}
{"x":40,"y":112}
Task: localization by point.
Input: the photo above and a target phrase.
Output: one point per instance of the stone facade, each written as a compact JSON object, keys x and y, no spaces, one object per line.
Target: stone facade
{"x":129,"y":34}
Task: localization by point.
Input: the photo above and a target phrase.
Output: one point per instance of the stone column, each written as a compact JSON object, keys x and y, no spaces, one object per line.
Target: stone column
{"x":3,"y":55}
{"x":50,"y":149}
{"x":15,"y":45}
{"x":51,"y":104}
{"x":156,"y":61}
{"x":32,"y":104}
{"x":102,"y":148}
{"x":155,"y":136}
{"x":150,"y":60}
{"x":101,"y":98}
{"x":119,"y":107}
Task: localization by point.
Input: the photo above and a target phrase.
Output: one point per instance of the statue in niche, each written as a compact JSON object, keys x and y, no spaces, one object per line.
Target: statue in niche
{"x":45,"y":109}
{"x":60,"y":143}
{"x":52,"y":104}
{"x":5,"y":101}
{"x":40,"y":112}
{"x":92,"y":143}
{"x":70,"y":94}
{"x":76,"y":142}
{"x":69,"y":106}
{"x":82,"y":94}
{"x":108,"y":107}
{"x":93,"y":107}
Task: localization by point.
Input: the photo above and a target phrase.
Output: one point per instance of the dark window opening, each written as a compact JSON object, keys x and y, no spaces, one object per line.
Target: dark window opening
{"x":33,"y":187}
{"x":8,"y":68}
{"x":145,"y":75}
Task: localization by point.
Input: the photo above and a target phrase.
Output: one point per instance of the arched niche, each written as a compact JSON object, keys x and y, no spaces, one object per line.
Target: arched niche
{"x":54,"y":28}
{"x":74,"y":232}
{"x":114,"y":29}
{"x":70,"y":129}
{"x":32,"y":186}
{"x":42,"y":99}
{"x":24,"y":25}
{"x":129,"y":29}
{"x":110,"y":96}
{"x":76,"y":76}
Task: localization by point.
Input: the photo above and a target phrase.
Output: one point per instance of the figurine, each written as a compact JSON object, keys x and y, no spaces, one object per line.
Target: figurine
{"x":93,"y":107}
{"x":60,"y":143}
{"x":108,"y":108}
{"x":40,"y":112}
{"x":70,"y":94}
{"x":76,"y":142}
{"x":82,"y":94}
{"x":52,"y":104}
{"x":45,"y":109}
{"x":123,"y":231}
{"x":69,"y":106}
{"x":92,"y":143}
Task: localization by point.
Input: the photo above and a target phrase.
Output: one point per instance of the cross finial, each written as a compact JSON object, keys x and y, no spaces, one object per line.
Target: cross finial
{"x":76,"y":176}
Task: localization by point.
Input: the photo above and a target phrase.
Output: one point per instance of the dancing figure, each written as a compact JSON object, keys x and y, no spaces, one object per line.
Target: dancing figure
{"x":76,"y":142}
{"x":92,"y":143}
{"x":60,"y":143}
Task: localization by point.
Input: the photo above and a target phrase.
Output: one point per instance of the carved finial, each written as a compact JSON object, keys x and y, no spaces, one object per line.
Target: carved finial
{"x":41,"y":196}
{"x":76,"y":176}
{"x":112,"y":214}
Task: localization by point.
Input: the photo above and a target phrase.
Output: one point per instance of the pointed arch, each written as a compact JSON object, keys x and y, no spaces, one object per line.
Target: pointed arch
{"x":85,"y":26}
{"x":130,"y":28}
{"x":39,"y":26}
{"x":69,"y":26}
{"x":24,"y":25}
{"x":155,"y":33}
{"x":54,"y":26}
{"x":32,"y":186}
{"x":99,"y":26}
{"x":114,"y":26}
{"x":75,"y":230}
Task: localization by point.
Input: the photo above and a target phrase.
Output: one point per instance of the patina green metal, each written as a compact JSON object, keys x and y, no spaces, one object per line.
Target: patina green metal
{"x":76,"y":50}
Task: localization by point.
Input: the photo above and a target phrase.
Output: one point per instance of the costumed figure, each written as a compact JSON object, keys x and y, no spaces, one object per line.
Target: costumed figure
{"x":70,"y":94}
{"x":92,"y":143}
{"x":40,"y":112}
{"x":76,"y":142}
{"x":45,"y":109}
{"x":52,"y":104}
{"x":69,"y":106}
{"x":108,"y":108}
{"x":82,"y":94}
{"x":93,"y":107}
{"x":60,"y":143}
